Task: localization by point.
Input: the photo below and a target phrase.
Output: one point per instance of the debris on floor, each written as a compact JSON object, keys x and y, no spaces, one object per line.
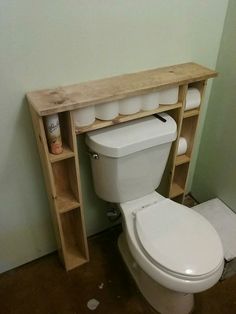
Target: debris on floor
{"x":101,"y":285}
{"x":93,"y":304}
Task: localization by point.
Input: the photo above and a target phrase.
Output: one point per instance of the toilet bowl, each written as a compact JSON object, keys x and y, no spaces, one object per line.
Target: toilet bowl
{"x":170,"y":250}
{"x":172,"y":259}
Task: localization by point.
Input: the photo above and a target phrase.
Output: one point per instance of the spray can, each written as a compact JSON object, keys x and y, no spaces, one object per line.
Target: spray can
{"x":53,"y":134}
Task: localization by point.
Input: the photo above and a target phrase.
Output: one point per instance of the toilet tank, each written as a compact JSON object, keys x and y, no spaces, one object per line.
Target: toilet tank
{"x":128,"y":160}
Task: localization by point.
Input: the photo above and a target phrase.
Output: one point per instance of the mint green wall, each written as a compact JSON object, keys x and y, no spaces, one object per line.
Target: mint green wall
{"x":50,"y":43}
{"x":215,"y":173}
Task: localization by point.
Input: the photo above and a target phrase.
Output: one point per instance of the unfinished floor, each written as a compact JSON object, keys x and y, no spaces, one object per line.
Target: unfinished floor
{"x":43,"y":286}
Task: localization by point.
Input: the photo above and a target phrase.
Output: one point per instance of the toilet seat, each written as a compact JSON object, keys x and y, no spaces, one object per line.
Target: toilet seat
{"x":174,"y":238}
{"x":164,"y":276}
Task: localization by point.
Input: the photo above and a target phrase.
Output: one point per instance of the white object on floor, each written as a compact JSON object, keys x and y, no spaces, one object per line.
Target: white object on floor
{"x":92,"y":304}
{"x":182,"y":146}
{"x":193,"y":98}
{"x":223,"y":220}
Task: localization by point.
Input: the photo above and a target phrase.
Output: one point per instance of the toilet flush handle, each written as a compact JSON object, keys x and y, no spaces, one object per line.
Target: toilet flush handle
{"x":93,"y":155}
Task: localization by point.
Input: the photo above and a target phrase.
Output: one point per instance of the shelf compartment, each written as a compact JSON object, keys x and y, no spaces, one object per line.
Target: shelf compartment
{"x":65,"y":179}
{"x":73,"y":239}
{"x":175,"y":190}
{"x":67,"y":143}
{"x":98,"y":124}
{"x":179,"y":180}
{"x":179,"y":198}
{"x":182,"y":159}
{"x":188,"y":131}
{"x":66,"y":202}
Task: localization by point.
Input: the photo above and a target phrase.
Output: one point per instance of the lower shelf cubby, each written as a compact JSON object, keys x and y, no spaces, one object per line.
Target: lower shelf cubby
{"x":179,"y":180}
{"x":188,"y":130}
{"x":65,"y":179}
{"x":73,"y":239}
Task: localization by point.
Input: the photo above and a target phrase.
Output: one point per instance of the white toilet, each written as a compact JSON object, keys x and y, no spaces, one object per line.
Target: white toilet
{"x":170,"y":250}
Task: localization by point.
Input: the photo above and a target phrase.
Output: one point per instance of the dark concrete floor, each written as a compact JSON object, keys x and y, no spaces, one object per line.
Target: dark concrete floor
{"x":43,"y":286}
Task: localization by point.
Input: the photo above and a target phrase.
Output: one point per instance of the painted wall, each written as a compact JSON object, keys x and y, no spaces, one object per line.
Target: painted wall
{"x":50,"y":43}
{"x":215,"y":174}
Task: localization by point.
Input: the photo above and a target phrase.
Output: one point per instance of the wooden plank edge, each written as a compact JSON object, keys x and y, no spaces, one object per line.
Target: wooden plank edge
{"x":73,"y":105}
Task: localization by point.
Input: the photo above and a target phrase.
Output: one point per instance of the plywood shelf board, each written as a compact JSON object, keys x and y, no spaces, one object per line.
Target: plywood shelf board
{"x":98,"y":124}
{"x":182,"y":159}
{"x":66,"y":201}
{"x":67,"y":153}
{"x":49,"y":101}
{"x":191,"y":113}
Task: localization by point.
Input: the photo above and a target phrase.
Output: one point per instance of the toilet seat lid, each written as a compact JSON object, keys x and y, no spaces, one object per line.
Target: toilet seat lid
{"x":178,"y":238}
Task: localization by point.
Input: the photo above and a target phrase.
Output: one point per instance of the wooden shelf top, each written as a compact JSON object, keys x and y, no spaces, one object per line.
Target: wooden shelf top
{"x":49,"y":101}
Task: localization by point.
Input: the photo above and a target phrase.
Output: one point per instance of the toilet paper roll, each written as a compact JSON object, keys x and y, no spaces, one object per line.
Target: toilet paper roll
{"x":107,"y":111}
{"x":182,"y":147}
{"x":193,"y":98}
{"x":130,"y":105}
{"x":169,"y":96}
{"x":150,"y":101}
{"x":84,"y":116}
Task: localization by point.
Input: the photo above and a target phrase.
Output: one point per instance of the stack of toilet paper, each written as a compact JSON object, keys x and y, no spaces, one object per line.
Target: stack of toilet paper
{"x":130,"y":105}
{"x":193,"y":98}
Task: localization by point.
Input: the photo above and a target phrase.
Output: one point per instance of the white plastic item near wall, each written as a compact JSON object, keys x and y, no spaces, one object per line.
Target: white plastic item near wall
{"x":150,"y":101}
{"x":107,"y":111}
{"x":169,"y":96}
{"x":84,"y":116}
{"x":193,"y":98}
{"x":130,"y":105}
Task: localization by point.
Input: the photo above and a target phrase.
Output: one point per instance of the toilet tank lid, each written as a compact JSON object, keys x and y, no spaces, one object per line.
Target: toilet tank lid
{"x":129,"y":137}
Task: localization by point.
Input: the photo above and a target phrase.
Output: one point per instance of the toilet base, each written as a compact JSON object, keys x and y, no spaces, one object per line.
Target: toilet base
{"x":163,"y":300}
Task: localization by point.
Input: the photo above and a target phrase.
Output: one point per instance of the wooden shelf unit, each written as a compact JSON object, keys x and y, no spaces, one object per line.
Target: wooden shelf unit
{"x":62,"y":173}
{"x":62,"y":180}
